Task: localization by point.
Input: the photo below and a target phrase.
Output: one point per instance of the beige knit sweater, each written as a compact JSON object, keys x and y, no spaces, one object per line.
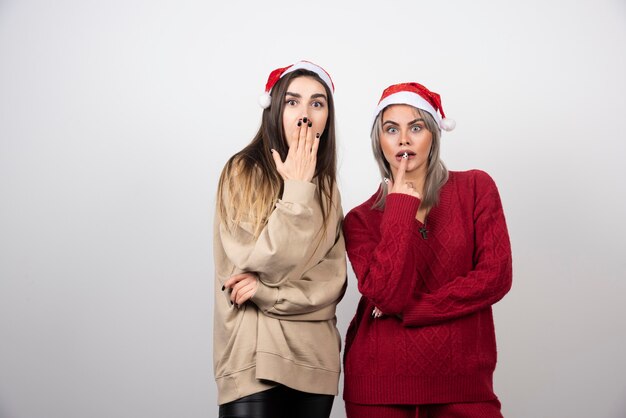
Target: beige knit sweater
{"x":287,"y":332}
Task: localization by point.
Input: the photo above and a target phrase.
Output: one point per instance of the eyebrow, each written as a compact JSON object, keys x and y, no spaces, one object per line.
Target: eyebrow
{"x":313,"y":96}
{"x":410,"y":123}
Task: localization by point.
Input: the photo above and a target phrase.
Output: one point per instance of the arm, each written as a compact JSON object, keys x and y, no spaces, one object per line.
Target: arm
{"x":385,"y":268}
{"x":283,"y":242}
{"x":312,"y":297}
{"x":487,"y":282}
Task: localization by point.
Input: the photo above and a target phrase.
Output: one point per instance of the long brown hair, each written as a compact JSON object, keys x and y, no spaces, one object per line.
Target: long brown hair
{"x":250,"y":185}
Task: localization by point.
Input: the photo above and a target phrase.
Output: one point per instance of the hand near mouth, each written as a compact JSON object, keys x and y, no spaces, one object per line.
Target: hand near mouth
{"x":302,"y":156}
{"x":404,"y":154}
{"x":400,"y":185}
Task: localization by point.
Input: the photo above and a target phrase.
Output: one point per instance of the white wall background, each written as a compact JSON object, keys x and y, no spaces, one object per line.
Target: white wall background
{"x":116,"y":118}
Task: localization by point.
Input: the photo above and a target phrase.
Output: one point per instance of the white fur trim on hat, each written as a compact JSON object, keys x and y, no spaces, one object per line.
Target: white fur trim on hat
{"x":408,"y":98}
{"x":265,"y":100}
{"x":447,"y":124}
{"x":306,"y":65}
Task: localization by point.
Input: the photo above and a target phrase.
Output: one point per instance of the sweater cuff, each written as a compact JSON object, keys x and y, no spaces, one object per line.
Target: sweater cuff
{"x":400,"y":208}
{"x":418,"y":313}
{"x":296,"y":191}
{"x":265,"y":297}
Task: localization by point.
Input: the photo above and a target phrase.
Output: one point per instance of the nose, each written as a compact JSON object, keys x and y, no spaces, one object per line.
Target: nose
{"x":404,"y":138}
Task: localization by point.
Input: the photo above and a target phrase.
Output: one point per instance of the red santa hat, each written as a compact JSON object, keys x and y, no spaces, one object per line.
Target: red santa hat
{"x":418,"y":96}
{"x":278,"y":73}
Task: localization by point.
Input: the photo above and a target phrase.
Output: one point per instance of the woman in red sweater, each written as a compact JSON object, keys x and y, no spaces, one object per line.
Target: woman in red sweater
{"x":431,"y":253}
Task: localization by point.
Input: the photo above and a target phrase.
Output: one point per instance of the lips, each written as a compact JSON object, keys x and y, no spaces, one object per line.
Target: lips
{"x":400,"y":154}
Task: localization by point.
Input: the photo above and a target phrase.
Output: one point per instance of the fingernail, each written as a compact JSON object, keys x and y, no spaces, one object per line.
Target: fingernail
{"x":304,"y":119}
{"x":386,"y":180}
{"x":405,"y":155}
{"x":317,"y":135}
{"x":299,"y":123}
{"x":224,"y":287}
{"x":310,"y":124}
{"x":231,"y":303}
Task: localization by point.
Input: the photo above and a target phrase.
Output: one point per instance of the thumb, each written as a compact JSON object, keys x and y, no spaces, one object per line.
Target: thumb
{"x":277,"y":159}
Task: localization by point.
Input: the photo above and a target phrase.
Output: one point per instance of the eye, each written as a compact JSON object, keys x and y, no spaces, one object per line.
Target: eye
{"x":317,"y":104}
{"x":416,"y":128}
{"x":391,"y":130}
{"x":291,"y":102}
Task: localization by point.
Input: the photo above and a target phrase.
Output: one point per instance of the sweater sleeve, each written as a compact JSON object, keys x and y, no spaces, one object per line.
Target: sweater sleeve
{"x":312,"y":297}
{"x":491,"y":276}
{"x":385,"y":268}
{"x":284,"y":240}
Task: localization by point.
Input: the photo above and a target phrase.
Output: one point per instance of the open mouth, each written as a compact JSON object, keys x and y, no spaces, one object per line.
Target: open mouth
{"x":409,"y":154}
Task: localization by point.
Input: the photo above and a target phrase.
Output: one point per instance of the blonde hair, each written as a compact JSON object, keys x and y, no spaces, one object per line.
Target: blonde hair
{"x":245,"y":194}
{"x":436,"y":174}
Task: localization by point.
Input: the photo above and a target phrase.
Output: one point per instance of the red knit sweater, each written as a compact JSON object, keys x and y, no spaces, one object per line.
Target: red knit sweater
{"x":436,"y":343}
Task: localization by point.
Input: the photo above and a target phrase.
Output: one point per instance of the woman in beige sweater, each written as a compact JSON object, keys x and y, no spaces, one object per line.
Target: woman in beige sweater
{"x":280,"y":257}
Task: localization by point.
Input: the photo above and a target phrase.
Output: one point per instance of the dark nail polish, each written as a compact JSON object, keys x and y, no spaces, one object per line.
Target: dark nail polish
{"x":310,"y":124}
{"x":317,"y":135}
{"x":299,"y":123}
{"x":223,"y":287}
{"x":304,"y":120}
{"x":231,"y":303}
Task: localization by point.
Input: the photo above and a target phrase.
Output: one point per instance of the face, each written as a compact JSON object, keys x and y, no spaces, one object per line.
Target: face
{"x":305,"y":98}
{"x":404,"y":130}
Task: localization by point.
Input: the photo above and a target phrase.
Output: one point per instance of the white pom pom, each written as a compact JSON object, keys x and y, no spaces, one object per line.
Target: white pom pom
{"x":447,"y":124}
{"x":264,"y":100}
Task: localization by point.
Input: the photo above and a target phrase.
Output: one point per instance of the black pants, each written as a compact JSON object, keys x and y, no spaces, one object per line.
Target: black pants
{"x":279,"y":402}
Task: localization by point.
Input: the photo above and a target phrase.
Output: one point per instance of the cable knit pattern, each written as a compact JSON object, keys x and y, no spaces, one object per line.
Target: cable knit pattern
{"x":436,"y":343}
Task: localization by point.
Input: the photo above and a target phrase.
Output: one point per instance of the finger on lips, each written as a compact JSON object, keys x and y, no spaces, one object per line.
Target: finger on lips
{"x":399,"y":177}
{"x":400,"y":174}
{"x":305,"y":137}
{"x":309,"y":139}
{"x":303,"y":129}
